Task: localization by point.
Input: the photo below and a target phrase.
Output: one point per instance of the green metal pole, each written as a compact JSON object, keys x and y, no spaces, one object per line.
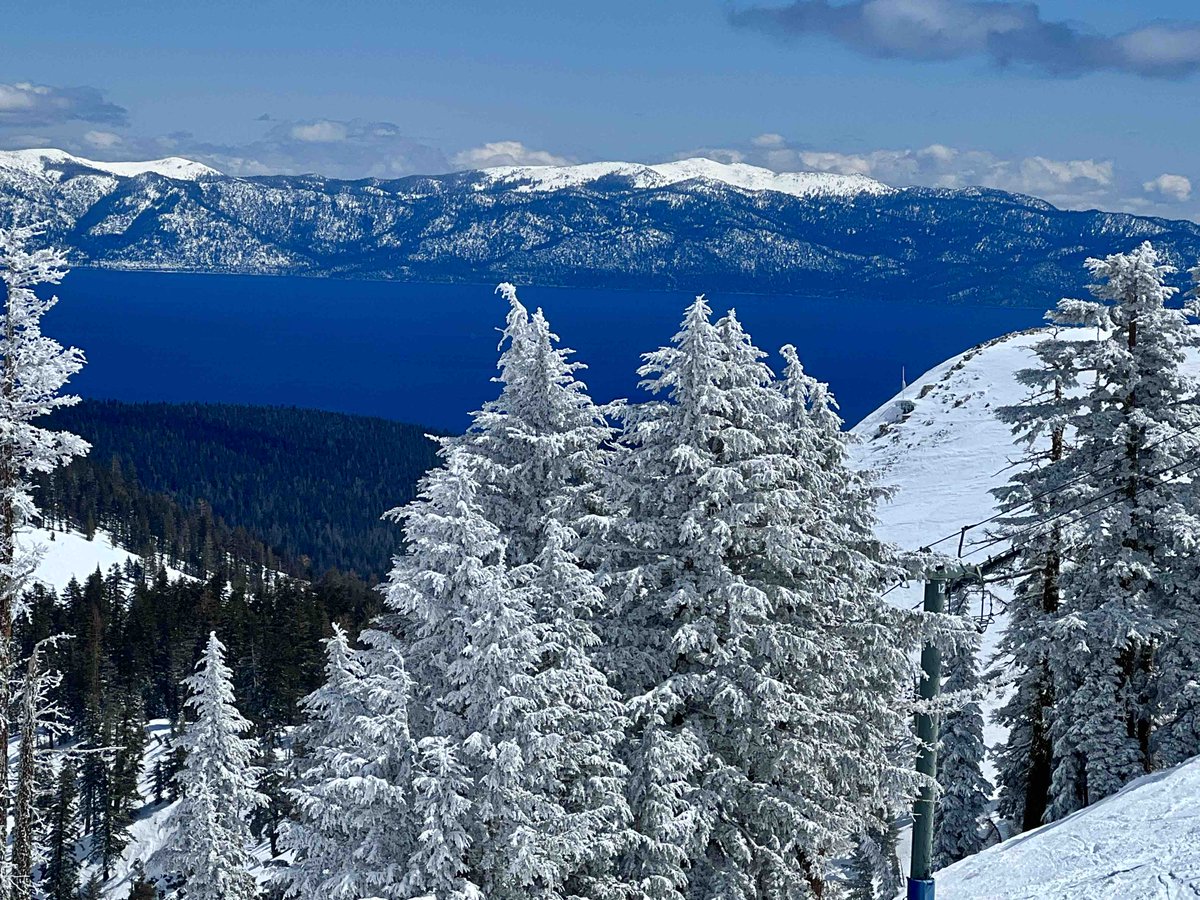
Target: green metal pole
{"x":920,"y":881}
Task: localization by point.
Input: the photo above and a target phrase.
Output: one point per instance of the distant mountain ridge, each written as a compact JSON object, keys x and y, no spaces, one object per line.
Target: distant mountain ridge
{"x":695,"y":225}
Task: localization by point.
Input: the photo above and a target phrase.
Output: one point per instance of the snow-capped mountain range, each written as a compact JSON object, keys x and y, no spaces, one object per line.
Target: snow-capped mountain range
{"x":694,"y":224}
{"x":43,"y":164}
{"x":738,"y":175}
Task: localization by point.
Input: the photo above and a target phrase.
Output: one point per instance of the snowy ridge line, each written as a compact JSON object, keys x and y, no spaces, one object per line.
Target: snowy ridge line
{"x":739,"y":175}
{"x":41,"y":163}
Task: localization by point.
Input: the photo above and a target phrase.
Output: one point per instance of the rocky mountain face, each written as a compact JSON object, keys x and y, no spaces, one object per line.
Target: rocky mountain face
{"x":694,"y":224}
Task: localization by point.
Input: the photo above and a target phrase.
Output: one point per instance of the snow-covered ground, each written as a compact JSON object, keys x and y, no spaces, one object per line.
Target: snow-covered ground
{"x":941,"y":447}
{"x":740,"y":175}
{"x":1140,"y":844}
{"x":68,"y":554}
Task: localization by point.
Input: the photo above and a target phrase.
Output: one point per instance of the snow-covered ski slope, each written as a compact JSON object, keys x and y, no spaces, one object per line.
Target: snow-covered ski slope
{"x":1140,"y":844}
{"x":940,"y":446}
{"x":69,"y":554}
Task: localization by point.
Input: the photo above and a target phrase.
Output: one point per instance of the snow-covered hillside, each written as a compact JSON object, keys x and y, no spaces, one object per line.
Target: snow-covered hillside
{"x":1142,"y":843}
{"x":941,"y":447}
{"x":49,"y":164}
{"x":69,"y":554}
{"x":739,"y":175}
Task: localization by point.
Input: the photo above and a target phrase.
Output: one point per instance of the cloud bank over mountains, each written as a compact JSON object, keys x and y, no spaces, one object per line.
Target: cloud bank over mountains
{"x":1007,"y":34}
{"x":82,"y":120}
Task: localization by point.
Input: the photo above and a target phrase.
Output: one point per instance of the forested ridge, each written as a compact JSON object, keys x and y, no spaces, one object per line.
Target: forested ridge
{"x":296,"y":489}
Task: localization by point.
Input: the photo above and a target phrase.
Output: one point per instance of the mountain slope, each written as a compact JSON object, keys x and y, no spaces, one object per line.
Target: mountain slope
{"x":942,"y":449}
{"x":1143,"y":843}
{"x":694,"y":224}
{"x":312,"y":484}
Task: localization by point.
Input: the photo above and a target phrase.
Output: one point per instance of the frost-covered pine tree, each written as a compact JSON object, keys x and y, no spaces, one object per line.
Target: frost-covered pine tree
{"x":481,"y":660}
{"x":1177,"y":692}
{"x":528,"y":464}
{"x":206,"y":856}
{"x":1133,"y":555}
{"x":847,"y":570}
{"x":744,"y":578}
{"x":964,"y":792}
{"x":538,"y":446}
{"x":538,"y":453}
{"x":1048,"y":487}
{"x":353,"y":832}
{"x":33,"y":370}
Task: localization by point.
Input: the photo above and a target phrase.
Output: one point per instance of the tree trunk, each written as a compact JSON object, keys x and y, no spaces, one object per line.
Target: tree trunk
{"x":8,"y":555}
{"x":22,"y":852}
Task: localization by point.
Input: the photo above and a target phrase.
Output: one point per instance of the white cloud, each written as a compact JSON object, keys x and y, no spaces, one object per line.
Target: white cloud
{"x":102,"y":140}
{"x":1173,"y":187}
{"x":768,"y":140}
{"x":1006,"y":32}
{"x":322,"y":132}
{"x":1070,"y":183}
{"x":24,"y":104}
{"x":506,"y":153}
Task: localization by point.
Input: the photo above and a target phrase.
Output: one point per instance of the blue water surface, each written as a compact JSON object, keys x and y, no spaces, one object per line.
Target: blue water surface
{"x":425,"y":353}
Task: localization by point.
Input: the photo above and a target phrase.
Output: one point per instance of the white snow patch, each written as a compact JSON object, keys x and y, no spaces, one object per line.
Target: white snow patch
{"x":941,"y":447}
{"x":739,"y":175}
{"x":69,"y":554}
{"x":1143,"y":843}
{"x":39,"y":163}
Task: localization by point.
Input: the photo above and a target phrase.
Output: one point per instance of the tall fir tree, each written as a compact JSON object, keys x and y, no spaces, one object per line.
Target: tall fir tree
{"x":354,"y":831}
{"x":33,"y":370}
{"x":745,"y":584}
{"x":506,"y":671}
{"x":1131,"y":560}
{"x":1046,"y":488}
{"x":60,"y":874}
{"x":206,"y":856}
{"x":1177,"y":693}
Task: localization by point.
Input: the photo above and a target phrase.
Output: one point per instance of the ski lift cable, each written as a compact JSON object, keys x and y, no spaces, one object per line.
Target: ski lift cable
{"x":1084,"y":513}
{"x":1193,"y":466}
{"x":1091,"y":473}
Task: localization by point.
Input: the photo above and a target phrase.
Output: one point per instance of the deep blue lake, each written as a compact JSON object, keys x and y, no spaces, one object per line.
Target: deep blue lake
{"x":424,"y":353}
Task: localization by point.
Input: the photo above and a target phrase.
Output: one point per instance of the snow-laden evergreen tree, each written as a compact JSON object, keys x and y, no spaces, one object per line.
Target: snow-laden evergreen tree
{"x":1177,"y":692}
{"x":765,"y":676}
{"x":1133,"y":557}
{"x":532,"y":721}
{"x":33,"y":370}
{"x":206,"y":856}
{"x":964,"y":792}
{"x":353,"y":832}
{"x":506,"y":691}
{"x":1048,"y":487}
{"x":847,"y":570}
{"x":538,"y":446}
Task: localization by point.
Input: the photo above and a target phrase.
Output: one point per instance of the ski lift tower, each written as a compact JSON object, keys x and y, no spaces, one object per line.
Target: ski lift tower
{"x":940,"y":579}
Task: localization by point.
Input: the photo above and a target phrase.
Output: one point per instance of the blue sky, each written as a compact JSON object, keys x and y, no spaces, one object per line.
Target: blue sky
{"x":1085,"y":103}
